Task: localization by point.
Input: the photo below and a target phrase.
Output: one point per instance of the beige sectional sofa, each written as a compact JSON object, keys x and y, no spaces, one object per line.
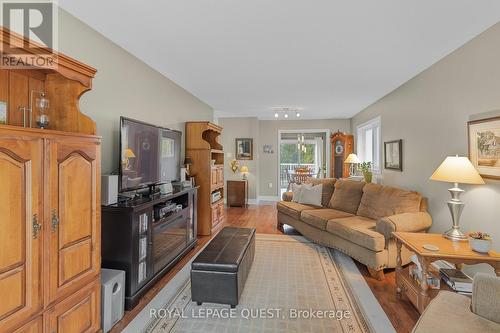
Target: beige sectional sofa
{"x":358,"y":219}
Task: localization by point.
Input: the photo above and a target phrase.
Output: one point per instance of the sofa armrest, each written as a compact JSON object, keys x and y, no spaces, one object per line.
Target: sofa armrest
{"x":485,"y":291}
{"x":406,"y":222}
{"x":287,"y":196}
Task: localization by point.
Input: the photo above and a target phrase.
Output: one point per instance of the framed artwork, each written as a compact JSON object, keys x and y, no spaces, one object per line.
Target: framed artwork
{"x":484,"y":146}
{"x":393,"y":155}
{"x":3,"y":112}
{"x":244,"y":149}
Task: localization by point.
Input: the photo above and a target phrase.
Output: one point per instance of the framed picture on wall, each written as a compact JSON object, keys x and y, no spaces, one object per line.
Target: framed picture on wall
{"x":3,"y":112}
{"x":244,"y":149}
{"x":393,"y":155}
{"x":484,"y":146}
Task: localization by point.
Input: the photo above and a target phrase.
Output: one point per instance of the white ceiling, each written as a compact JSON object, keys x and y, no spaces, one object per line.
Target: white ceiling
{"x":330,"y":57}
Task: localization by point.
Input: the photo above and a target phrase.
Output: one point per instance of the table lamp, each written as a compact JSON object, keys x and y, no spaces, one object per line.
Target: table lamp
{"x":456,"y":169}
{"x":244,"y":171}
{"x":352,"y":159}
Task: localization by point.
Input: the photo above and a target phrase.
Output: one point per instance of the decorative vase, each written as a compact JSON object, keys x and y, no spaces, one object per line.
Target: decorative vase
{"x":480,"y":245}
{"x":368,"y":176}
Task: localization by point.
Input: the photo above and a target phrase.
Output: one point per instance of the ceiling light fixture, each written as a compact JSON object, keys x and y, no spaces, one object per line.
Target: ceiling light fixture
{"x":285,"y":111}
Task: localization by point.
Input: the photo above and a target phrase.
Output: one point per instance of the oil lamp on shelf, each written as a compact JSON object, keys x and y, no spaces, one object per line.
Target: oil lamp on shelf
{"x":42,"y":103}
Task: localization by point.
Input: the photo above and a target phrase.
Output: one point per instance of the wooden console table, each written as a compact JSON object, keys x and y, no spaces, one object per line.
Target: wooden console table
{"x":237,"y":193}
{"x":457,"y":253}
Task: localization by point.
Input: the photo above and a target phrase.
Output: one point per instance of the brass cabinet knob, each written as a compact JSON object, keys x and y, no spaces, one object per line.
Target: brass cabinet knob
{"x":55,"y":220}
{"x":36,"y":226}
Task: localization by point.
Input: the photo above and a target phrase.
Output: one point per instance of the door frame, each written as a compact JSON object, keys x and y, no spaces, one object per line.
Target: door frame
{"x":315,"y":130}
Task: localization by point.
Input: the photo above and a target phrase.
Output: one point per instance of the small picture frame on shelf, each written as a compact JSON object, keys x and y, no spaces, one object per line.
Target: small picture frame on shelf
{"x":244,"y":149}
{"x":3,"y":113}
{"x":393,"y":155}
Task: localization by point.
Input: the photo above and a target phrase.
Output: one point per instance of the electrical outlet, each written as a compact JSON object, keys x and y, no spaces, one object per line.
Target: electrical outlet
{"x":270,"y":185}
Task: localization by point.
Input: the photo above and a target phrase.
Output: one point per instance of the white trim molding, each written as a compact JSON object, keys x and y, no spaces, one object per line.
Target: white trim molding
{"x":268,"y":198}
{"x":370,"y":129}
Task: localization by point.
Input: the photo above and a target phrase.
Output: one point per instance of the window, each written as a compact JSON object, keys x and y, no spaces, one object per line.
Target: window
{"x":368,"y":143}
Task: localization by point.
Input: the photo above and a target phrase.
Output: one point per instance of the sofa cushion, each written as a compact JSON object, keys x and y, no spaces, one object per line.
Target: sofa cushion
{"x":319,"y":217}
{"x":293,"y":209}
{"x":359,"y":230}
{"x":347,"y":195}
{"x":380,"y":201}
{"x":328,"y":187}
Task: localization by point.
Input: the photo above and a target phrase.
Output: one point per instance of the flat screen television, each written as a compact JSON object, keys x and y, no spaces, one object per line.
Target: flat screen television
{"x":149,"y":155}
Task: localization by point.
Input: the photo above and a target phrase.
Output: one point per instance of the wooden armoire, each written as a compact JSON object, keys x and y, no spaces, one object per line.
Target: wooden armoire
{"x":49,"y":204}
{"x":203,"y":147}
{"x":342,"y":145}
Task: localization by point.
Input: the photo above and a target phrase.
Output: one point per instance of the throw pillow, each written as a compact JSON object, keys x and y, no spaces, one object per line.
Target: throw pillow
{"x":347,"y":195}
{"x":328,"y":187}
{"x":297,"y":191}
{"x":311,"y":195}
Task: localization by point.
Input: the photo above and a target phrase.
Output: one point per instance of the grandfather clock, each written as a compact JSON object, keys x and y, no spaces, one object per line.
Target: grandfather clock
{"x":341,"y":145}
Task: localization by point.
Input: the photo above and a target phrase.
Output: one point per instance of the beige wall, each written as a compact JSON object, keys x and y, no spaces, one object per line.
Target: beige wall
{"x":430,"y":113}
{"x":124,"y":85}
{"x":245,"y":127}
{"x":264,"y":167}
{"x":268,"y":134}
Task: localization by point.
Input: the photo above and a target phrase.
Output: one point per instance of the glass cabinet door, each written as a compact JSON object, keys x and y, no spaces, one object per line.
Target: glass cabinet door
{"x":143,"y":247}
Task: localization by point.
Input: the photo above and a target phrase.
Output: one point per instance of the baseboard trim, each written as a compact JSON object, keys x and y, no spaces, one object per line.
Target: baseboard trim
{"x":259,"y":199}
{"x":268,"y":198}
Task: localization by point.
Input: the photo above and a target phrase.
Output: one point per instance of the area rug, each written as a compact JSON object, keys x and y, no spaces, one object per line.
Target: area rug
{"x":294,"y":286}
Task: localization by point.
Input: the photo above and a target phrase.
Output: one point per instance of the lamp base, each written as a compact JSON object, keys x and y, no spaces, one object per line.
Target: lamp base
{"x":456,"y":206}
{"x":455,"y":234}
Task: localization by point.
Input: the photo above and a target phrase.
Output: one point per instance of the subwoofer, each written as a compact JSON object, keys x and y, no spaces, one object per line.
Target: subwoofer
{"x":112,"y":297}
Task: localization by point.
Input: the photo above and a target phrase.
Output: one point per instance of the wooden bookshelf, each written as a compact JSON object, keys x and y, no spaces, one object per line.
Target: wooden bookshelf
{"x":203,"y":147}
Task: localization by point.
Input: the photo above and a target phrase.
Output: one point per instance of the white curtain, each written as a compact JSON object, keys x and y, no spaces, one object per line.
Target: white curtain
{"x":318,"y":154}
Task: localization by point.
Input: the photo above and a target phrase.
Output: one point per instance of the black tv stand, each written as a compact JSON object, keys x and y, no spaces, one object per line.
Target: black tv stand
{"x":144,"y":244}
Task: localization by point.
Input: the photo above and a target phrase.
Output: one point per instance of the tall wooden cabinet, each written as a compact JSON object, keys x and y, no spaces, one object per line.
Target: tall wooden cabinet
{"x":21,"y":214}
{"x":202,"y":145}
{"x":49,"y":200}
{"x":50,"y":231}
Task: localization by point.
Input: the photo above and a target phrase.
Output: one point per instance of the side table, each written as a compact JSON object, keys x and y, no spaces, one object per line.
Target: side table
{"x":237,"y":193}
{"x":457,"y":253}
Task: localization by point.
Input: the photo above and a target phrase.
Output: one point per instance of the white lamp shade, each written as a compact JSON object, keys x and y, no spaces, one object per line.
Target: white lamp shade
{"x":244,"y":169}
{"x":352,"y":158}
{"x":457,"y":169}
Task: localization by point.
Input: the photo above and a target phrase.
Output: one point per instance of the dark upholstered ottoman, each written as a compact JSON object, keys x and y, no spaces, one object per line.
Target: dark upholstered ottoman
{"x":219,"y":272}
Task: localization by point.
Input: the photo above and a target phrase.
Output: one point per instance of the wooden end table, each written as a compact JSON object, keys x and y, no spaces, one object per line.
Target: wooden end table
{"x":237,"y":193}
{"x":457,"y":253}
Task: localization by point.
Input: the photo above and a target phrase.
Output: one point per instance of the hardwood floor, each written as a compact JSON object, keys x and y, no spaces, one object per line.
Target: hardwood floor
{"x":401,"y":313}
